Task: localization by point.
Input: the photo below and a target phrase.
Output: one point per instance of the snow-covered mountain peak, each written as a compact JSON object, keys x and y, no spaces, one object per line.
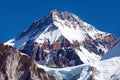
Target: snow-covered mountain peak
{"x":63,"y":24}
{"x":70,"y":17}
{"x":63,"y":37}
{"x":64,"y":15}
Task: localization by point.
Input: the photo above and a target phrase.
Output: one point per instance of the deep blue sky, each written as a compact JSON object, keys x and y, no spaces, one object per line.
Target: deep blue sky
{"x":17,"y":15}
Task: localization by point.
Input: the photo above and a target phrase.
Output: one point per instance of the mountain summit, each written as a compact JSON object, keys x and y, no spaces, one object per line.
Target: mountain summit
{"x":61,"y":39}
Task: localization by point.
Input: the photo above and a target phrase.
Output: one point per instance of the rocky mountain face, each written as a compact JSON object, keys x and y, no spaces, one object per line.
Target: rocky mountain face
{"x":15,"y":65}
{"x":61,"y":39}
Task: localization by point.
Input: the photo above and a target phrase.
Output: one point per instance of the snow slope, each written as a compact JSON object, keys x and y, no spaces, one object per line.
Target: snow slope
{"x":102,"y":70}
{"x":87,"y":58}
{"x":106,"y":69}
{"x":116,"y":75}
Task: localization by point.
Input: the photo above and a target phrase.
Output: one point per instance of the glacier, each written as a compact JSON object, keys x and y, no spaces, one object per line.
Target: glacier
{"x":102,"y":70}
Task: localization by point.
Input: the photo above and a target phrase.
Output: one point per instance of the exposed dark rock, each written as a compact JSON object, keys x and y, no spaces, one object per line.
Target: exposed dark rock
{"x":60,"y":54}
{"x":107,"y":42}
{"x":17,"y":66}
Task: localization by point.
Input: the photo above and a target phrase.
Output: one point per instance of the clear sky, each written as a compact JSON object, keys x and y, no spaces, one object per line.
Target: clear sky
{"x":17,"y":15}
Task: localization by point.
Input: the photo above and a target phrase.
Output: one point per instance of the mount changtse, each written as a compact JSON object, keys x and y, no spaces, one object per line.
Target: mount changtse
{"x":67,"y":48}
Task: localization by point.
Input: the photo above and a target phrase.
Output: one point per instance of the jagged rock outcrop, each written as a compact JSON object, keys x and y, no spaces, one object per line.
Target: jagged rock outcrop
{"x":18,"y":66}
